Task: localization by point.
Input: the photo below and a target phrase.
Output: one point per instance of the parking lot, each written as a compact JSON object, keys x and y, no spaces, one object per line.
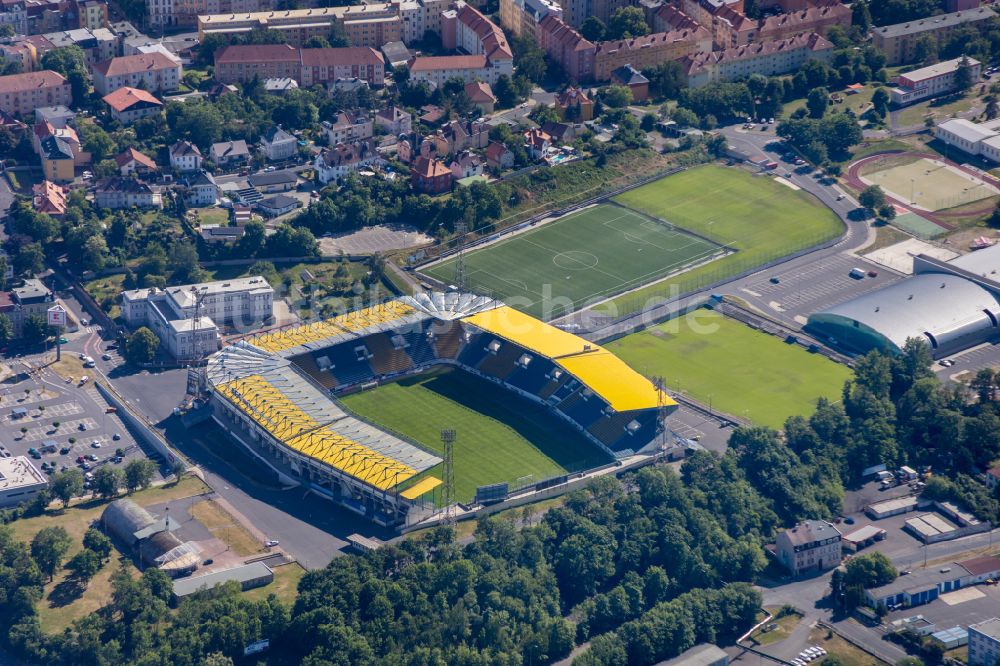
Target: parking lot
{"x":59,"y":423}
{"x":962,"y":608}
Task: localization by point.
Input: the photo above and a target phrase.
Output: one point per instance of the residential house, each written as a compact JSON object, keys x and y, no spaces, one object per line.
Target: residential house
{"x":394,"y":120}
{"x":537,"y":142}
{"x":21,"y":94}
{"x":573,"y":104}
{"x":631,"y":78}
{"x":131,"y":104}
{"x":466,"y":164}
{"x":274,"y":181}
{"x":200,"y":189}
{"x":499,"y":156}
{"x":133,"y":163}
{"x":462,"y":135}
{"x":431,"y":176}
{"x":67,"y":134}
{"x":278,"y":145}
{"x":335,"y":163}
{"x":57,"y":159}
{"x":230,"y":153}
{"x":347,"y":127}
{"x":481,"y":96}
{"x":31,"y":299}
{"x":214,"y":234}
{"x":117,"y":193}
{"x":58,"y":116}
{"x":279,"y":86}
{"x":561,"y":132}
{"x":812,"y":545}
{"x":49,"y":198}
{"x":151,"y":71}
{"x":185,"y":157}
{"x":277,"y":205}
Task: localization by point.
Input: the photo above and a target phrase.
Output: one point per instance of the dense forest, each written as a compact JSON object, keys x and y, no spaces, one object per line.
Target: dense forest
{"x":642,"y":567}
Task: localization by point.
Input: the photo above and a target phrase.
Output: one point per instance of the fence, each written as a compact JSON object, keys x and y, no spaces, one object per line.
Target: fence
{"x":138,"y":424}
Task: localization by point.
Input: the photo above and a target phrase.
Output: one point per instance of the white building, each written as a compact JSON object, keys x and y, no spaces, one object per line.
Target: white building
{"x":335,"y":163}
{"x":278,"y":145}
{"x":185,"y":156}
{"x":973,"y":138}
{"x":812,"y":545}
{"x":984,"y":643}
{"x":201,"y":189}
{"x":20,"y":481}
{"x":154,"y":72}
{"x":348,"y":126}
{"x":240,"y":303}
{"x":931,"y":81}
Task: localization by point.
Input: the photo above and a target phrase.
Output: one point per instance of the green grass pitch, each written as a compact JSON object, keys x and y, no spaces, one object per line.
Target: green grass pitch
{"x":744,"y":372}
{"x":500,"y":436}
{"x":598,"y":252}
{"x":756,"y":215}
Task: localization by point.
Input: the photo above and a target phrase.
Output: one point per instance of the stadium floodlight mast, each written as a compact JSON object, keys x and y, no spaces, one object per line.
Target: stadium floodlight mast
{"x":448,"y":437}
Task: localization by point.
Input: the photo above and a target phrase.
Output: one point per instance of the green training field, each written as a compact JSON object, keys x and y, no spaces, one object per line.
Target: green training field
{"x":598,"y":252}
{"x":744,"y":372}
{"x":756,"y":215}
{"x":500,"y":436}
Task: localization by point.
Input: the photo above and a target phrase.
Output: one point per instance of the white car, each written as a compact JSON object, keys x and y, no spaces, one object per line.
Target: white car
{"x":271,"y":543}
{"x":96,"y":444}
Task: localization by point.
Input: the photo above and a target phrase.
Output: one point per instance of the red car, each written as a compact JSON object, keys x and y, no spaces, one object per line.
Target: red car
{"x":80,"y":459}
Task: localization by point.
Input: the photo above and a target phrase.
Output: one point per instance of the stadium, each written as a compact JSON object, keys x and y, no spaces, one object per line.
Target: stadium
{"x":279,"y":394}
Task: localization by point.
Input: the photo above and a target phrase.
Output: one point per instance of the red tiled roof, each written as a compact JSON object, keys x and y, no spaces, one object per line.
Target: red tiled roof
{"x":650,"y":41}
{"x":123,"y":98}
{"x":130,"y":155}
{"x":30,"y":80}
{"x":572,"y":96}
{"x":256,"y":52}
{"x":564,"y":34}
{"x":493,"y":40}
{"x":427,"y":167}
{"x":479,"y":92}
{"x":134,"y":64}
{"x":332,"y":57}
{"x":697,"y":62}
{"x":495,"y":151}
{"x":431,"y":63}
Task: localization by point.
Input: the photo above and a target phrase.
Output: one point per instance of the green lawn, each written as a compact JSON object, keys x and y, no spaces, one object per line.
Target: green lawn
{"x":594,"y":253}
{"x":742,"y":372}
{"x":940,"y":108}
{"x":500,"y":437}
{"x":759,"y":217}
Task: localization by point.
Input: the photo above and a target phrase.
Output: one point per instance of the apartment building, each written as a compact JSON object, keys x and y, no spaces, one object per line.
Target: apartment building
{"x":370,"y":25}
{"x":766,"y":58}
{"x":337,"y":162}
{"x":937,"y":79}
{"x":521,"y":17}
{"x":98,"y":44}
{"x":131,"y":104}
{"x":984,"y":643}
{"x":185,"y":13}
{"x":812,"y":545}
{"x":575,"y":12}
{"x":117,"y":193}
{"x":648,"y":51}
{"x":21,"y":94}
{"x":239,"y":303}
{"x":307,"y":67}
{"x":30,"y":299}
{"x":899,"y":41}
{"x":92,"y":14}
{"x":15,"y":14}
{"x":347,"y":127}
{"x":419,"y":16}
{"x":435,"y":70}
{"x":567,"y":47}
{"x":151,"y":71}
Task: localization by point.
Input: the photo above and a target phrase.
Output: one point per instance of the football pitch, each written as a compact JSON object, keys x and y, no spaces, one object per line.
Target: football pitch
{"x":500,"y":437}
{"x":741,"y":371}
{"x":595,"y":253}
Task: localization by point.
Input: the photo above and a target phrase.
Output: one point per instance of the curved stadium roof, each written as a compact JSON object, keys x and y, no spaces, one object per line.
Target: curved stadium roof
{"x":941,"y":305}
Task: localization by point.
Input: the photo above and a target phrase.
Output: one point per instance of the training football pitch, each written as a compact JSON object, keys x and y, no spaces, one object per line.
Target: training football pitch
{"x":741,"y":371}
{"x":500,"y":437}
{"x":595,"y":253}
{"x":930,"y":184}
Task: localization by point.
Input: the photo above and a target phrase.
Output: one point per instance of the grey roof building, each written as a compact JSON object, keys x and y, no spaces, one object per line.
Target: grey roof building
{"x":705,"y":654}
{"x":249,"y":576}
{"x":949,"y":305}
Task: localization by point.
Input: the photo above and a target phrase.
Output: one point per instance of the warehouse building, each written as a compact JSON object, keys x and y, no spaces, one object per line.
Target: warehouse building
{"x":951,"y":306}
{"x":249,"y":576}
{"x":20,"y":481}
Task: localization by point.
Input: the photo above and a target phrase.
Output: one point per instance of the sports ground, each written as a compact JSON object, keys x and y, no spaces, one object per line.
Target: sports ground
{"x":500,"y":436}
{"x":929,"y":184}
{"x":760,"y":218}
{"x":597,"y":252}
{"x":741,"y":371}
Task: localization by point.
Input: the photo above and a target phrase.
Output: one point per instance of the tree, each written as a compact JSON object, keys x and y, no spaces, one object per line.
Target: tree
{"x":963,"y":75}
{"x":67,"y":485}
{"x":48,"y":547}
{"x":141,"y":346}
{"x":616,"y":97}
{"x":139,"y":473}
{"x":35,"y":330}
{"x":108,"y":481}
{"x":97,"y":542}
{"x":316,"y":42}
{"x":871,"y":570}
{"x":593,"y":29}
{"x":626,"y":23}
{"x":666,"y":79}
{"x":925,"y":49}
{"x":992,"y":108}
{"x":872,"y":197}
{"x":880,"y":101}
{"x":684,"y":117}
{"x":84,"y":565}
{"x":29,"y":259}
{"x":817,"y":102}
{"x":6,"y":330}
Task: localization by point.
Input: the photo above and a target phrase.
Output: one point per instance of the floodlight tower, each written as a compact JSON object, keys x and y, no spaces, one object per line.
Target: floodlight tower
{"x":448,"y":439}
{"x":661,"y":409}
{"x":461,"y":228}
{"x":196,"y":374}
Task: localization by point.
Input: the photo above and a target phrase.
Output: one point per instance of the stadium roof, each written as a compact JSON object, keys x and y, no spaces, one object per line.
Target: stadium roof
{"x":985,"y":262}
{"x":602,"y":372}
{"x":944,"y":306}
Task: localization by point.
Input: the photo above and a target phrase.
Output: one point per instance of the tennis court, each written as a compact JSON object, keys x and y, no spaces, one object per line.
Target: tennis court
{"x":930,"y":184}
{"x":595,"y":253}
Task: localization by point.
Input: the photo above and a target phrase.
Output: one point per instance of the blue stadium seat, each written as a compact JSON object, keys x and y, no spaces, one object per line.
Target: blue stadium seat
{"x":584,"y":411}
{"x":532,"y":378}
{"x":347,"y":368}
{"x":475,"y":349}
{"x":420,"y":350}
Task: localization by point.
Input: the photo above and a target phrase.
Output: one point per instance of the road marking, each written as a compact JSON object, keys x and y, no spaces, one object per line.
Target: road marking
{"x":751,"y":292}
{"x":775,"y":305}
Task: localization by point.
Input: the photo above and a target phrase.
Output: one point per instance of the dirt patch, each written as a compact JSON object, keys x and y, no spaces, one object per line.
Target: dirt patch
{"x":225,"y":528}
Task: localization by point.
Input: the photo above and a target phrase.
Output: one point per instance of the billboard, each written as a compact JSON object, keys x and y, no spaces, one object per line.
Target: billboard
{"x":57,"y":315}
{"x":491,"y":494}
